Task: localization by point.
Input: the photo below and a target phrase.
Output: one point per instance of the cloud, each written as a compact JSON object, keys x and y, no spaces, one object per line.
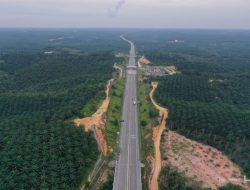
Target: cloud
{"x":113,"y":11}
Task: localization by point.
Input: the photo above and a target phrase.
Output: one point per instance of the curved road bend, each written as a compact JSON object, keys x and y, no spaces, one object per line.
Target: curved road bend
{"x":128,"y":169}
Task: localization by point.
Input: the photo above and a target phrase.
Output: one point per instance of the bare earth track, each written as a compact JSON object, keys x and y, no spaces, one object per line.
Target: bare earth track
{"x":97,"y":121}
{"x":157,"y":132}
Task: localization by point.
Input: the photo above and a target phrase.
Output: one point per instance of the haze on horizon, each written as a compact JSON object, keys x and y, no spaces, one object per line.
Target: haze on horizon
{"x":223,"y":14}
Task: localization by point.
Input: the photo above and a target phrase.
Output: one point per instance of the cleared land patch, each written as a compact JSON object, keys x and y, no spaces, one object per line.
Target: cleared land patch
{"x":199,"y":162}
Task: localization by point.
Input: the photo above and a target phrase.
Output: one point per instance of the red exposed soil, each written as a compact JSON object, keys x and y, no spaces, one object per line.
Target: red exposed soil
{"x":200,"y":162}
{"x":157,"y":132}
{"x":144,"y":61}
{"x":97,"y":122}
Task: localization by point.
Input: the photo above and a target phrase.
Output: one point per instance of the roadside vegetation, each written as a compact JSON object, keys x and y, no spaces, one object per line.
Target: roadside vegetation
{"x":147,"y":120}
{"x":172,"y":180}
{"x":230,"y":187}
{"x":108,"y":185}
{"x":147,"y":117}
{"x":92,"y":105}
{"x":114,"y":113}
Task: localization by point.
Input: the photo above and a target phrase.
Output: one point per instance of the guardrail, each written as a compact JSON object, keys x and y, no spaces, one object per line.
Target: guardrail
{"x":116,"y":164}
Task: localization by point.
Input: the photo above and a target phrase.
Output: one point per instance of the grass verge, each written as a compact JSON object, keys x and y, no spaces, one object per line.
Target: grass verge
{"x":114,"y":113}
{"x":92,"y":105}
{"x":147,"y":120}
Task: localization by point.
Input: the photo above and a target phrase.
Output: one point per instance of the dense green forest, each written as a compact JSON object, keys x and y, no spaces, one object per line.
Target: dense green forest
{"x":40,"y":94}
{"x":210,"y":100}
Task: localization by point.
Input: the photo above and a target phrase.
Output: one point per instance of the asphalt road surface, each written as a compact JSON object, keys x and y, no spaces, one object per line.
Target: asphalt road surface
{"x":128,"y":167}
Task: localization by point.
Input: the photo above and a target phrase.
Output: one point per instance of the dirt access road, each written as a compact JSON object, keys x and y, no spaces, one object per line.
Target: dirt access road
{"x":157,"y":133}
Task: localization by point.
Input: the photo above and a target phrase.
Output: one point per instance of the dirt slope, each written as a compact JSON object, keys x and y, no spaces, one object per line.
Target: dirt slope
{"x":97,"y":121}
{"x":157,"y":132}
{"x":201,"y":163}
{"x":144,"y":61}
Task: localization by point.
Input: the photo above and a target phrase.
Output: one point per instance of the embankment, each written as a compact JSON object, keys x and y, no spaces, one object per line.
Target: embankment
{"x":97,"y":121}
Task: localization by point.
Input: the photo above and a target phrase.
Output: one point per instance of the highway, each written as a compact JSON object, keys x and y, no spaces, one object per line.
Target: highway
{"x":128,"y":165}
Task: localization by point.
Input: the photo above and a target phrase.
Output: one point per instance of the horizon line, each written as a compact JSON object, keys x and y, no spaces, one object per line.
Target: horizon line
{"x":116,"y":28}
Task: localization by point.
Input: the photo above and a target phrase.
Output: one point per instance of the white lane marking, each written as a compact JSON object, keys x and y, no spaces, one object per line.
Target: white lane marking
{"x":133,"y":136}
{"x":123,"y":131}
{"x":128,"y":155}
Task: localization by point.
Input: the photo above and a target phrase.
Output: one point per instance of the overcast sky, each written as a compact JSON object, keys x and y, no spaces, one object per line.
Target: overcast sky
{"x":233,"y":14}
